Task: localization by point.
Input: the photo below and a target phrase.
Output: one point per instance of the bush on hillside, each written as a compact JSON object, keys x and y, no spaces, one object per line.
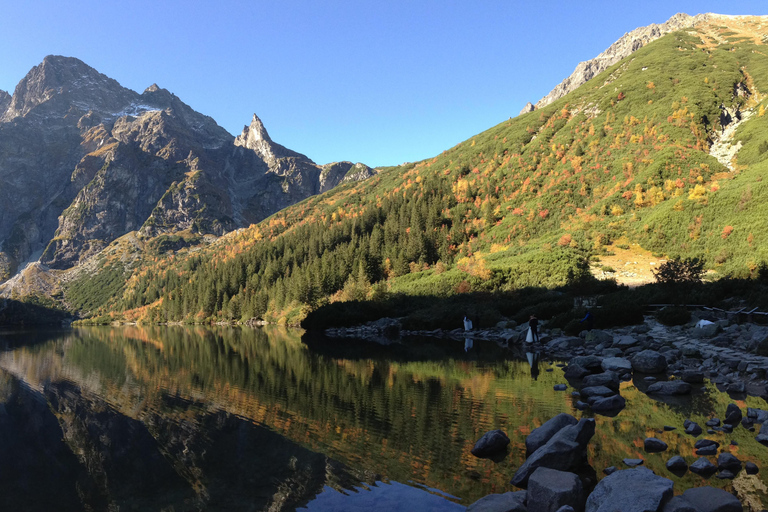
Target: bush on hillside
{"x":680,"y":271}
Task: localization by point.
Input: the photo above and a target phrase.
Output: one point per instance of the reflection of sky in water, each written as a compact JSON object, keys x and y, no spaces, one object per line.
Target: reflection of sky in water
{"x":383,"y":496}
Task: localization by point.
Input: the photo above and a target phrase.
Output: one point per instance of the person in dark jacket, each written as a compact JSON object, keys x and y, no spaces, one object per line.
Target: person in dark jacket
{"x":589,"y":319}
{"x":533,"y":324}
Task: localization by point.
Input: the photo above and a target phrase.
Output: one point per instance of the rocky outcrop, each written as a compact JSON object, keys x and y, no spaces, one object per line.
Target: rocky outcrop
{"x":626,"y":45}
{"x":630,"y":490}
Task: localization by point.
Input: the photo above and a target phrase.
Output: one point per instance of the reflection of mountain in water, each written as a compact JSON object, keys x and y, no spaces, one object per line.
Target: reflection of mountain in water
{"x":227,"y":416}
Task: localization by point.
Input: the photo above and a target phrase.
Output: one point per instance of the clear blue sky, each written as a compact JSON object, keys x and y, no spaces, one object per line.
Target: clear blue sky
{"x":379,"y":82}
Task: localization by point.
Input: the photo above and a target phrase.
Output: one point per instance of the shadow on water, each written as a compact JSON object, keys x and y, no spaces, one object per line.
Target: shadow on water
{"x":220,"y":417}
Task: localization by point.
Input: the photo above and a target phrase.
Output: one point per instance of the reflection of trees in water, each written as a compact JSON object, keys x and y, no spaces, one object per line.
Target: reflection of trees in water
{"x":406,"y":419}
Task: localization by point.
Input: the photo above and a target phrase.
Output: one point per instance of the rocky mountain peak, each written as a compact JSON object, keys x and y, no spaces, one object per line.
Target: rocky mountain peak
{"x":256,"y":138}
{"x":258,"y":130}
{"x":152,"y":88}
{"x":57,"y":76}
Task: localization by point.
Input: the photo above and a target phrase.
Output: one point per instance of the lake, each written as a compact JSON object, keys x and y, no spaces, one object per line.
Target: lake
{"x":198,"y":418}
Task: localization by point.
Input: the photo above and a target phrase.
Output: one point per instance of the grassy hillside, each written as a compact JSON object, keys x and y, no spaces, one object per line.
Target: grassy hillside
{"x":526,"y":203}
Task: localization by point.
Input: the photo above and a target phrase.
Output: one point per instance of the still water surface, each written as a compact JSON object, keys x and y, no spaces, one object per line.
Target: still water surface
{"x":176,"y":418}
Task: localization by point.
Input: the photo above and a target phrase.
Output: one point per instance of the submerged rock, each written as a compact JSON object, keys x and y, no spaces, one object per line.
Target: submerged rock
{"x":671,"y":387}
{"x":541,"y":435}
{"x":490,"y":444}
{"x":649,"y":361}
{"x":507,"y":502}
{"x":677,"y":463}
{"x":653,"y":444}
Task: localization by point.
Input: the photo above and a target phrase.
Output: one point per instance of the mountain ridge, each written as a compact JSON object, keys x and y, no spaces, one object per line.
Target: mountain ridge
{"x":84,"y":160}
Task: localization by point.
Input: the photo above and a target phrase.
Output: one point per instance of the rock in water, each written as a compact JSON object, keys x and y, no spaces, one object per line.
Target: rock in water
{"x":609,"y":404}
{"x":509,"y":502}
{"x":490,"y":444}
{"x":733,"y":414}
{"x":649,"y":361}
{"x":630,"y":490}
{"x":677,"y":463}
{"x":693,"y":429}
{"x":709,"y":499}
{"x":550,"y":489}
{"x":653,"y":444}
{"x":565,"y":451}
{"x":539,"y":436}
{"x":728,"y":462}
{"x":702,"y":467}
{"x":671,"y":387}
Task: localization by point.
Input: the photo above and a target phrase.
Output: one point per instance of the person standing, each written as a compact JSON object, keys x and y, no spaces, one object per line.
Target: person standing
{"x":467,"y":323}
{"x":533,"y":325}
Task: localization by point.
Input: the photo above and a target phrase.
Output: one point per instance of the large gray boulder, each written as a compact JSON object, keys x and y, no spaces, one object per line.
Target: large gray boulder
{"x":702,"y":466}
{"x":630,"y":490}
{"x":762,"y":436}
{"x":507,"y":502}
{"x":678,"y":504}
{"x":609,"y":404}
{"x":732,"y":414}
{"x":670,"y":387}
{"x":566,"y":451}
{"x":591,"y":363}
{"x":596,"y":391}
{"x":653,"y":444}
{"x":617,"y":364}
{"x":710,"y":499}
{"x":550,"y":489}
{"x":649,"y":361}
{"x":729,"y":462}
{"x":490,"y":444}
{"x":625,"y":342}
{"x":607,"y":379}
{"x":541,"y":435}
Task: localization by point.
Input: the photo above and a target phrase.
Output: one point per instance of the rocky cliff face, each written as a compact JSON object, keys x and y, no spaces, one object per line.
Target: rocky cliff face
{"x":629,"y":43}
{"x":84,"y":160}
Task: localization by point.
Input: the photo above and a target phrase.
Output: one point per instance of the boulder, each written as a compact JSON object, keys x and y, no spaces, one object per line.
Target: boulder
{"x":541,"y":435}
{"x":574,"y":371}
{"x":751,"y":468}
{"x":706,"y":331}
{"x":550,"y":489}
{"x":617,"y":364}
{"x":490,"y":444}
{"x":707,"y":450}
{"x":507,"y":502}
{"x":702,"y":467}
{"x":758,"y":415}
{"x":649,"y":361}
{"x":560,"y":387}
{"x":607,"y":379}
{"x":591,"y":363}
{"x":714,"y":422}
{"x":630,"y":490}
{"x":653,"y":444}
{"x":633,"y":462}
{"x":677,"y":463}
{"x":733,"y":414}
{"x":678,"y":504}
{"x":596,"y":391}
{"x":609,"y":404}
{"x":693,"y":428}
{"x":566,"y":508}
{"x":728,"y":462}
{"x":598,"y":336}
{"x":565,"y":451}
{"x":710,"y":499}
{"x":692,"y":376}
{"x":669,"y":387}
{"x":625,"y":342}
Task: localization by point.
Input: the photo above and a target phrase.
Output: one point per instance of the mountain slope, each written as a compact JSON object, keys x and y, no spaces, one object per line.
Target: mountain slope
{"x":84,"y":160}
{"x":526,"y":203}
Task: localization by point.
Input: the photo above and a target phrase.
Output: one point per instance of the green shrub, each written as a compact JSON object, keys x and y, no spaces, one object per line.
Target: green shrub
{"x":673,"y":316}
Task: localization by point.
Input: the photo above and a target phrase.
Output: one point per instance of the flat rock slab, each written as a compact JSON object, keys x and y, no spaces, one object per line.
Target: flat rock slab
{"x":617,"y":364}
{"x":630,"y":490}
{"x":671,"y":387}
{"x":507,"y":502}
{"x":710,"y":499}
{"x":550,"y":489}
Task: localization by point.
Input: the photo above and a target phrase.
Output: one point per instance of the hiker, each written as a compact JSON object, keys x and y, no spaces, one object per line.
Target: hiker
{"x":467,"y":323}
{"x":533,"y":325}
{"x":589,"y":319}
